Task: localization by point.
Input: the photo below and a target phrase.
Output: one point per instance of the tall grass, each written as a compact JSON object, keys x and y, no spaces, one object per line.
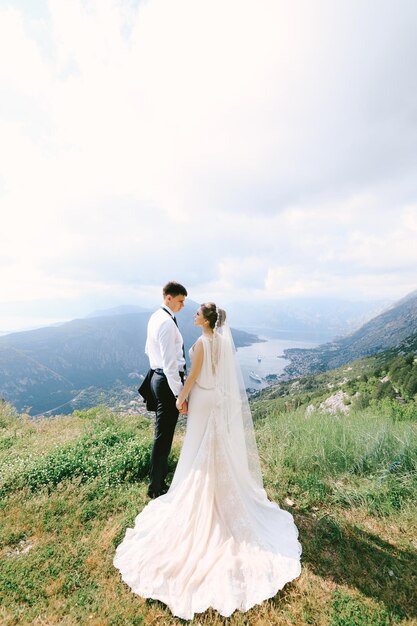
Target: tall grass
{"x":313,"y":455}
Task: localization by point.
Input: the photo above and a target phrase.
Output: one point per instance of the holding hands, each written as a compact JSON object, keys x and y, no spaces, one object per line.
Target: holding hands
{"x":182,"y":406}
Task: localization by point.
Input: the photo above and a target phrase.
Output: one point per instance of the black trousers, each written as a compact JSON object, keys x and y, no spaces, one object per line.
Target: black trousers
{"x":165,"y":422}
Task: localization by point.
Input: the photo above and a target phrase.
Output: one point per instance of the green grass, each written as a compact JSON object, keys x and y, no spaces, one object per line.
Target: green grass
{"x":69,"y":487}
{"x":347,"y":610}
{"x":115,"y":456}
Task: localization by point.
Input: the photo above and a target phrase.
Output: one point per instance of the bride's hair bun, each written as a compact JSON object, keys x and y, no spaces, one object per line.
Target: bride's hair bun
{"x":209,"y":311}
{"x":215,"y":317}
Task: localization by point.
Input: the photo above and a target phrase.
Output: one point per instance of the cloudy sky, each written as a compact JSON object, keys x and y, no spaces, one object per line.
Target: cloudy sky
{"x":251,"y":149}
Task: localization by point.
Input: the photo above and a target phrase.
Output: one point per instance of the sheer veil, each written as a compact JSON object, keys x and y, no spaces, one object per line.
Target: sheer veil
{"x":233,"y":414}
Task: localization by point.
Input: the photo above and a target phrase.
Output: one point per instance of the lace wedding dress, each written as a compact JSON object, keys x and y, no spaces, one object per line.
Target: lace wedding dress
{"x":214,"y":540}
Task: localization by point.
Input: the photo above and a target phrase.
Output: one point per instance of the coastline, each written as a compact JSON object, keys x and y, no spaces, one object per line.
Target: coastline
{"x":268,"y":358}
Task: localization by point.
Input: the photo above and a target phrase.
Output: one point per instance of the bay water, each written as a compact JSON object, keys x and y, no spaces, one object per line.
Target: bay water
{"x":266,"y":357}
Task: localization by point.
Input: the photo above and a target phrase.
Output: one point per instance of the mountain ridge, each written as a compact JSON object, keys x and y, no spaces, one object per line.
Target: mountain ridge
{"x":385,"y":331}
{"x":47,"y":367}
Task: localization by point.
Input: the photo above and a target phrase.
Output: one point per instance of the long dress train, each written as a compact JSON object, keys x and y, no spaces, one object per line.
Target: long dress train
{"x":214,"y":540}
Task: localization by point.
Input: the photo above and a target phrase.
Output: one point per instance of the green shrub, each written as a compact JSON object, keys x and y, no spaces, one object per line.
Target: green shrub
{"x":95,"y":412}
{"x":403,"y":373}
{"x":361,"y":401}
{"x":395,"y":410}
{"x":8,"y":415}
{"x":383,"y":390}
{"x":114,"y":456}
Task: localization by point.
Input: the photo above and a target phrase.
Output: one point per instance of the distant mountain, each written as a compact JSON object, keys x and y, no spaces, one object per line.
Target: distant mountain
{"x":123,"y":309}
{"x":328,"y":317}
{"x":46,"y":368}
{"x":387,"y":330}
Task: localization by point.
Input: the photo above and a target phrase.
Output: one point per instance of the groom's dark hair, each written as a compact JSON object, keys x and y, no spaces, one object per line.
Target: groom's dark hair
{"x":174,"y":289}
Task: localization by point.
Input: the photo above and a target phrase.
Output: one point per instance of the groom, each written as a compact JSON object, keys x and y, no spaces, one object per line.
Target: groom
{"x":165,"y":350}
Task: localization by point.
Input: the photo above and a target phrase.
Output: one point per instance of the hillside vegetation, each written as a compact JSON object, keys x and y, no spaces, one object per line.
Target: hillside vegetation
{"x":70,"y":485}
{"x":389,"y":375}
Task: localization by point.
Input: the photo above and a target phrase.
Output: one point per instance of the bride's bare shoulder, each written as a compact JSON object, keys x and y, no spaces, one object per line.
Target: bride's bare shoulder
{"x":198,"y":342}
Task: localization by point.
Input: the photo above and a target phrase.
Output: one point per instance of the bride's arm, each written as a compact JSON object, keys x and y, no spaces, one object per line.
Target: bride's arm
{"x":198,"y":357}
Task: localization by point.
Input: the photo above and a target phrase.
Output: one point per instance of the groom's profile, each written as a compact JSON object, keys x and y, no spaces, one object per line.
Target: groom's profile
{"x":165,"y":350}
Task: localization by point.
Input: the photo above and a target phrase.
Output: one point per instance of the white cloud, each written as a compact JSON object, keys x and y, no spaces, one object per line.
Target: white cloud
{"x":244,"y":148}
{"x":294,"y":281}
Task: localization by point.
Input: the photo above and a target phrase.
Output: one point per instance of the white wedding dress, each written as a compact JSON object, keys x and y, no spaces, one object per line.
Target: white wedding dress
{"x":214,"y":540}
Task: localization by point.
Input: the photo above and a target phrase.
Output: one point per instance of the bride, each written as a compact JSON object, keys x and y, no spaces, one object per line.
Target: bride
{"x":214,"y":539}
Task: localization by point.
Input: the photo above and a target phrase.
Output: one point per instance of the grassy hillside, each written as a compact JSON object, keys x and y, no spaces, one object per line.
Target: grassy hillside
{"x":70,"y":485}
{"x":390,"y":375}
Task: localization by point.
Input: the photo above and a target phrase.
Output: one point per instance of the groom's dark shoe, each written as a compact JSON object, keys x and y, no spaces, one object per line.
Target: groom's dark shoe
{"x":164,"y":488}
{"x":152,"y":493}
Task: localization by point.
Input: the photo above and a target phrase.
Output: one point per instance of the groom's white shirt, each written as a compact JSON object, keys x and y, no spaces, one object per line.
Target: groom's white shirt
{"x":164,"y":347}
